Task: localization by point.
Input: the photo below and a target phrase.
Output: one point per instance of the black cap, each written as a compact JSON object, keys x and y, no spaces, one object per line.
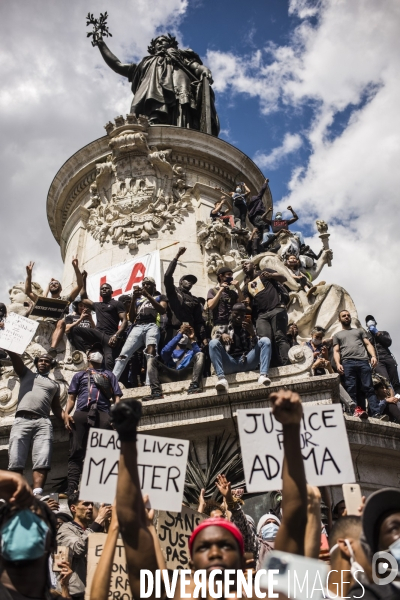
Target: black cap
{"x":64,"y":517}
{"x":369,"y":318}
{"x":377,"y":504}
{"x":190,"y":278}
{"x":223,"y":270}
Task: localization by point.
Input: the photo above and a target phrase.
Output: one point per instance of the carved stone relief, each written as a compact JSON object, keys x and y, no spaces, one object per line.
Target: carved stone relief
{"x":138,"y":191}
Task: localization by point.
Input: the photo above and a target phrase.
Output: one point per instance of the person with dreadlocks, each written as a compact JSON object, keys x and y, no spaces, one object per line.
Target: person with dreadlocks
{"x":167,"y":85}
{"x":215,"y":543}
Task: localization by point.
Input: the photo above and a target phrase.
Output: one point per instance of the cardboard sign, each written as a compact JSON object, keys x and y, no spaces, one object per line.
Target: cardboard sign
{"x":323,"y":440}
{"x":161,"y":465}
{"x":174,"y":531}
{"x":119,"y":583}
{"x":17,"y":333}
{"x":124,"y":276}
{"x":49,"y":307}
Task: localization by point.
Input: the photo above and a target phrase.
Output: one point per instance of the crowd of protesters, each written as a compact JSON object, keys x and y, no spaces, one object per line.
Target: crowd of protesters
{"x":150,"y":338}
{"x":34,"y":532}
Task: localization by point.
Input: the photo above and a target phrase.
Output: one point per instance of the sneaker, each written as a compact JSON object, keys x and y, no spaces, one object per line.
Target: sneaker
{"x":381,"y":417}
{"x":360,"y":413}
{"x":264,"y":380}
{"x":125,"y":417}
{"x":222,"y":385}
{"x":194,"y":388}
{"x":153,"y":396}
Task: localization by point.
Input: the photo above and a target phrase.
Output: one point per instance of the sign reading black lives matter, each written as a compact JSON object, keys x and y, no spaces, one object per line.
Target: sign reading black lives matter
{"x":49,"y":307}
{"x":161,"y":465}
{"x":324,"y":447}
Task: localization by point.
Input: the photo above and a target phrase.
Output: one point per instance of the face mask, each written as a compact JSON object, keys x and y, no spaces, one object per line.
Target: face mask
{"x":23,"y":537}
{"x":269,"y":531}
{"x":96,"y":357}
{"x":278,"y":217}
{"x":394,"y":550}
{"x":316,"y":341}
{"x":356,"y":570}
{"x":238,"y":190}
{"x":371,"y":323}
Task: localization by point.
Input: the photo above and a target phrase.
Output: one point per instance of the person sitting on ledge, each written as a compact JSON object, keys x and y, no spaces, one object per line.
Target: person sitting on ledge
{"x":279,"y":224}
{"x":385,"y":392}
{"x":55,"y":290}
{"x":182,"y":358}
{"x":81,"y":317}
{"x":217,"y":213}
{"x":236,"y":348}
{"x":320,"y":351}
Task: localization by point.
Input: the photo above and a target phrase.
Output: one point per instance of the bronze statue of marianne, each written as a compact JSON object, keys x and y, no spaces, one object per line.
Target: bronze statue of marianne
{"x":170,"y":86}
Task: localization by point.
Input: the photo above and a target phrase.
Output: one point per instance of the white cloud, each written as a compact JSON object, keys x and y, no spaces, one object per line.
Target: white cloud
{"x":55,"y":97}
{"x":348,"y":59}
{"x":291,"y":143}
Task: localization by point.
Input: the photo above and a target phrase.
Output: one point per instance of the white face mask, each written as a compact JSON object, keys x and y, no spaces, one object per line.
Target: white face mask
{"x":96,"y":357}
{"x":356,"y":570}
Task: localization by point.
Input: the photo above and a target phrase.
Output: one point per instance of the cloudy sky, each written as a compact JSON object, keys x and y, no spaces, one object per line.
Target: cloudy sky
{"x":309,"y":89}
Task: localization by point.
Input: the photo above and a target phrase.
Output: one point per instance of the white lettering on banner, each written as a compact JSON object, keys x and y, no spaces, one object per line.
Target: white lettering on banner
{"x":17,"y":333}
{"x":161,"y":466}
{"x":323,"y":441}
{"x":124,"y":276}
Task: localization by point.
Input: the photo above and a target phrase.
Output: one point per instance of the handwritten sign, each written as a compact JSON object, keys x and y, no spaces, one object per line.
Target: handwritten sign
{"x":323,"y":440}
{"x":17,"y":333}
{"x":174,"y":531}
{"x":52,"y":308}
{"x":161,"y":466}
{"x":119,"y":583}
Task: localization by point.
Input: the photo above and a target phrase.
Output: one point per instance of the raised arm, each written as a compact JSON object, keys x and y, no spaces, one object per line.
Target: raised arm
{"x":28,"y":282}
{"x":84,"y":296}
{"x":295,"y":217}
{"x":288,"y":411}
{"x":111,"y":60}
{"x":17,"y":363}
{"x":102,"y":575}
{"x":79,"y":280}
{"x":169,"y":273}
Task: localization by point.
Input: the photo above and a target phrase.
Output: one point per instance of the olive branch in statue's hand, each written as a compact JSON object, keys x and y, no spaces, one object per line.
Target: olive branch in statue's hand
{"x":100,"y":28}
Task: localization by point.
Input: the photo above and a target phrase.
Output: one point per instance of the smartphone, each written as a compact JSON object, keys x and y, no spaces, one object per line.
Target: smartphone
{"x":54,"y":496}
{"x":229,"y":280}
{"x":186,"y":324}
{"x":63,"y":554}
{"x":352,"y":498}
{"x":295,"y":577}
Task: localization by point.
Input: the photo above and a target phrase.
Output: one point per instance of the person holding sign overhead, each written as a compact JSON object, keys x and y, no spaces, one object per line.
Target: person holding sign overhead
{"x":92,"y":391}
{"x":55,"y":290}
{"x":215,"y":543}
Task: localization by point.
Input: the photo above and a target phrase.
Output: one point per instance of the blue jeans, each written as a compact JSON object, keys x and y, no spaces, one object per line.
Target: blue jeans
{"x":27,"y":432}
{"x":358,"y":378}
{"x":268,"y":235}
{"x":225,"y":364}
{"x":141,"y":336}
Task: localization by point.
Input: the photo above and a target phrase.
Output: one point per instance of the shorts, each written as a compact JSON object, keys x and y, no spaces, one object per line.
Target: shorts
{"x":24,"y":432}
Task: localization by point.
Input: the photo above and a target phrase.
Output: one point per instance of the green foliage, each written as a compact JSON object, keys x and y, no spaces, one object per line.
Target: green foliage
{"x":223,"y":457}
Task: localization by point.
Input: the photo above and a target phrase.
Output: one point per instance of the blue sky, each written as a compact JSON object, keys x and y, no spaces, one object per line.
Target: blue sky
{"x":307,"y":88}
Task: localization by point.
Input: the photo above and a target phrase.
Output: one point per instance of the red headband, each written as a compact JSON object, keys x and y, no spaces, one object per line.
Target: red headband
{"x":218,"y":522}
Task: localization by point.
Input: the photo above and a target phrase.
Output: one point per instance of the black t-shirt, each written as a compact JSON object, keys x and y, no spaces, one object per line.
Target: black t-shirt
{"x":268,"y":298}
{"x":69,"y":319}
{"x":278,"y":225}
{"x":145,"y":311}
{"x":222,"y":311}
{"x":107,"y":314}
{"x":217,"y":214}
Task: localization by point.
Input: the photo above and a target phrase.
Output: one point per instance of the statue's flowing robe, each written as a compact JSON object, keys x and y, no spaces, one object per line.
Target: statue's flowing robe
{"x":165,"y":88}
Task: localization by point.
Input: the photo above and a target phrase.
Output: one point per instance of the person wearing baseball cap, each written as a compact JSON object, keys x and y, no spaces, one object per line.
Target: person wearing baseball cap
{"x":222,"y":298}
{"x":145,"y":312}
{"x":184,"y":307}
{"x":387,"y":365}
{"x":215,"y":543}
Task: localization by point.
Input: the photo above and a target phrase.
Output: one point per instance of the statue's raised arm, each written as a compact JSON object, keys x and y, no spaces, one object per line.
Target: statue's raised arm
{"x":168,"y":84}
